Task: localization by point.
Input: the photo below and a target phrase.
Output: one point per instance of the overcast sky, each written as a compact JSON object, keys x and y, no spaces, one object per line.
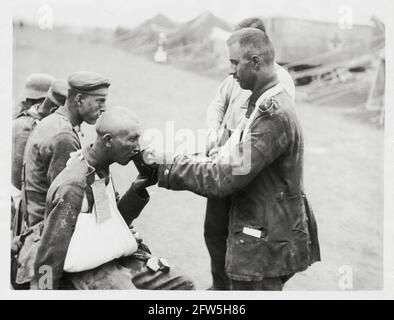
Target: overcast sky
{"x":111,"y":13}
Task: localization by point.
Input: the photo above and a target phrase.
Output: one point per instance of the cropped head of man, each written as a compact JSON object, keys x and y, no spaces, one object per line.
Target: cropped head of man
{"x":252,"y":57}
{"x":36,"y":89}
{"x":118,"y":132}
{"x":55,"y":98}
{"x":87,"y":95}
{"x":252,"y":22}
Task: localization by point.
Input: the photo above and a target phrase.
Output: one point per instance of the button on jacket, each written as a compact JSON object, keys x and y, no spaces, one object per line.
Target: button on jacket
{"x":272,"y":232}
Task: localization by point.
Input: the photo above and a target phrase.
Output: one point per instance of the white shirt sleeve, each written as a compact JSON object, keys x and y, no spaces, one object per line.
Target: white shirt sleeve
{"x":218,"y":106}
{"x":286,"y":80}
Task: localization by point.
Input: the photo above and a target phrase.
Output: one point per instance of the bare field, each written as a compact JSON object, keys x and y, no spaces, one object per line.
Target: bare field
{"x":343,"y":161}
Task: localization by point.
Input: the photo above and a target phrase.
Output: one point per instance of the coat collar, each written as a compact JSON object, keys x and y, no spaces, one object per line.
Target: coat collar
{"x":258,"y":93}
{"x":65,"y":113}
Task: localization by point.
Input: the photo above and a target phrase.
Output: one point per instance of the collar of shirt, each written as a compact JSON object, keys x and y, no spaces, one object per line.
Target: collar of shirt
{"x":64,"y":112}
{"x":102,"y":171}
{"x":79,"y":131}
{"x":33,"y":112}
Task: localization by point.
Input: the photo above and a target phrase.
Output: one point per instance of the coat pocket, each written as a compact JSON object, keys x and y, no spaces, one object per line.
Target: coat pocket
{"x":290,"y":214}
{"x":247,"y":249}
{"x":292,"y":225}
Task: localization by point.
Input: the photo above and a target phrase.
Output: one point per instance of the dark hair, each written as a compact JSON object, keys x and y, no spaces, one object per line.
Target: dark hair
{"x":254,"y":42}
{"x":252,"y":22}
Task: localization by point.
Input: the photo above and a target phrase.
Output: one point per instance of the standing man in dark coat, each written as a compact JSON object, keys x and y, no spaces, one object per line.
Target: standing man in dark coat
{"x":272,"y":233}
{"x":223,"y":115}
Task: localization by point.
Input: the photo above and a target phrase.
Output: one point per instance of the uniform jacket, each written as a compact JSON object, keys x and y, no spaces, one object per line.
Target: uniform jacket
{"x":268,"y":198}
{"x":64,"y":202}
{"x":46,"y":155}
{"x":22,"y":127}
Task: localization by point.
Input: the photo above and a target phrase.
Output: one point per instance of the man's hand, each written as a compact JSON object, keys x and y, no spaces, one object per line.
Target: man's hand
{"x":212,"y":142}
{"x":142,"y":182}
{"x":143,"y":166}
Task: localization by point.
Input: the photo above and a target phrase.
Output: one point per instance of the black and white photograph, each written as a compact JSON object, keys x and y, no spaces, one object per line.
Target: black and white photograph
{"x":198,"y":146}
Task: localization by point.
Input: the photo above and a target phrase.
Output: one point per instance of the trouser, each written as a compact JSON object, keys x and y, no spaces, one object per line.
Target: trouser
{"x":215,"y":234}
{"x":127,"y":273}
{"x":267,"y":284}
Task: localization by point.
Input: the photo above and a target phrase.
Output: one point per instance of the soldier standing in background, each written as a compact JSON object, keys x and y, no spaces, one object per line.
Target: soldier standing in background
{"x":35,"y":91}
{"x":22,"y":127}
{"x":26,"y":120}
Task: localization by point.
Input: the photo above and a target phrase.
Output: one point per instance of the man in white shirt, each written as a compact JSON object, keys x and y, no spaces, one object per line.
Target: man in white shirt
{"x":230,"y":103}
{"x":224,"y":114}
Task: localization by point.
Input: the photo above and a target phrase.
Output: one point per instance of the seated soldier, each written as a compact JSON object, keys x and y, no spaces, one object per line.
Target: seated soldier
{"x":84,"y":192}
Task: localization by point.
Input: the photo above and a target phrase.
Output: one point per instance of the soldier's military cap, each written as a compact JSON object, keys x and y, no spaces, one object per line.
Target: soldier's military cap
{"x":89,"y":82}
{"x":57,"y":93}
{"x":37,"y":86}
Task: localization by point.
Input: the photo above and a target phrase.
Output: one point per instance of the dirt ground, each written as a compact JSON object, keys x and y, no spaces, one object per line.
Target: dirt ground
{"x":343,"y":161}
